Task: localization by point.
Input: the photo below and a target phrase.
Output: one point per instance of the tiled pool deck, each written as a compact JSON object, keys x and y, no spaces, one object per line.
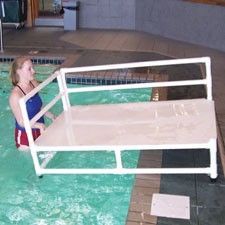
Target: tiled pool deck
{"x":207,"y":199}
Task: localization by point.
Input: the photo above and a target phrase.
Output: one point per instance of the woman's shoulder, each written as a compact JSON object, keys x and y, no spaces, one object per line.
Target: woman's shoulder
{"x":15,"y":93}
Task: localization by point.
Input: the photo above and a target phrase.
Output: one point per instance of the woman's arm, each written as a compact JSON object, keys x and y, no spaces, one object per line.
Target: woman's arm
{"x":50,"y":115}
{"x":15,"y":107}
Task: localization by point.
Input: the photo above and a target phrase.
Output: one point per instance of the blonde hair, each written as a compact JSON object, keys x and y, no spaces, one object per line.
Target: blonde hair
{"x":17,"y":64}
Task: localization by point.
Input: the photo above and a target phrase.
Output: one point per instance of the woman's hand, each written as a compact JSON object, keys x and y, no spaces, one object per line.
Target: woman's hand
{"x":50,"y":115}
{"x":40,"y":126}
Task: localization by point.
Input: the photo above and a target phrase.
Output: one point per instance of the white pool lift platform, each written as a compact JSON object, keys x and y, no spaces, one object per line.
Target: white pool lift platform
{"x":162,"y":125}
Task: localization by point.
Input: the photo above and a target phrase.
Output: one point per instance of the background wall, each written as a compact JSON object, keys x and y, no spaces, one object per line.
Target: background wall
{"x":181,"y":20}
{"x":108,"y":14}
{"x":177,"y":19}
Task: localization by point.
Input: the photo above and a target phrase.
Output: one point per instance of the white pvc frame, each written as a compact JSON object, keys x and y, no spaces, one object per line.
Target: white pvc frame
{"x":64,"y":96}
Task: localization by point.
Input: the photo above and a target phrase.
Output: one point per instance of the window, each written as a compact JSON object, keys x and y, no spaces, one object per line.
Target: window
{"x":49,"y":7}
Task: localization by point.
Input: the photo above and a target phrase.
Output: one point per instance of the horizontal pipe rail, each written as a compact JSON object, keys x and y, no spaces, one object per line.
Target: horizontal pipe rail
{"x":128,"y":171}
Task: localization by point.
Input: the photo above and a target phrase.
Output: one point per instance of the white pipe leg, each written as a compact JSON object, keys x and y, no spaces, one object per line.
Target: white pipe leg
{"x":118,"y":159}
{"x":213,"y":159}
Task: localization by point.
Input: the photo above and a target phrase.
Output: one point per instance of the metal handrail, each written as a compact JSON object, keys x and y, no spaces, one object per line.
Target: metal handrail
{"x":1,"y":31}
{"x":1,"y":36}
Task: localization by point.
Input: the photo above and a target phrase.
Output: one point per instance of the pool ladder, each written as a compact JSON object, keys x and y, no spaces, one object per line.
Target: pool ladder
{"x":1,"y":36}
{"x":2,"y":16}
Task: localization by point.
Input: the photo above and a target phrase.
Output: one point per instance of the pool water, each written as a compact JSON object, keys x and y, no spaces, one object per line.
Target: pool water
{"x":62,"y":199}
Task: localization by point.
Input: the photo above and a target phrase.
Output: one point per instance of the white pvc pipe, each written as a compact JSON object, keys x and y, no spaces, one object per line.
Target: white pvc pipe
{"x":123,"y":147}
{"x":137,"y":85}
{"x":205,"y":170}
{"x":168,"y":62}
{"x":118,"y":159}
{"x":64,"y":91}
{"x":45,"y":109}
{"x":208,"y":78}
{"x":29,"y":134}
{"x":41,"y":86}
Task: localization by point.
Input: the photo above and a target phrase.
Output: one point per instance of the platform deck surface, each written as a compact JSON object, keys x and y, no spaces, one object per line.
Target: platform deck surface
{"x":126,"y":124}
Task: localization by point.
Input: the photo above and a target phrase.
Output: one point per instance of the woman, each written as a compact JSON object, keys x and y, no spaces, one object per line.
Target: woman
{"x":23,"y":80}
